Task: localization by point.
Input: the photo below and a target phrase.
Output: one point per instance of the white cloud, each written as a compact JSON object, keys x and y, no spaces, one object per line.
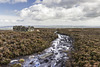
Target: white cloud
{"x":16,"y":1}
{"x":42,"y":12}
{"x":92,"y":9}
{"x":4,"y":1}
{"x":61,"y":12}
{"x":12,"y":1}
{"x":8,"y":20}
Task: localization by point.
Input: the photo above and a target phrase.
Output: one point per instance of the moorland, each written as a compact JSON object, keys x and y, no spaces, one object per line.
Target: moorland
{"x":85,"y":52}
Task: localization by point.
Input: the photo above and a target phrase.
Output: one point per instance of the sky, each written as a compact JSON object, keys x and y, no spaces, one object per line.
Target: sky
{"x":50,"y":12}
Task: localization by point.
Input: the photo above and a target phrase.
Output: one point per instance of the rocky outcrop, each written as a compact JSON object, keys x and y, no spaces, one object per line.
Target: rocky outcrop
{"x":23,"y":28}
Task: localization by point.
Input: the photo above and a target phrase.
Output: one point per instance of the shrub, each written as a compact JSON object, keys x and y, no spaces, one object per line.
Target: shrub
{"x":21,"y":60}
{"x":16,"y":65}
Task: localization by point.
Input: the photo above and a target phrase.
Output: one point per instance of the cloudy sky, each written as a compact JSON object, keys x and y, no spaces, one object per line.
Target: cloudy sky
{"x":50,"y":12}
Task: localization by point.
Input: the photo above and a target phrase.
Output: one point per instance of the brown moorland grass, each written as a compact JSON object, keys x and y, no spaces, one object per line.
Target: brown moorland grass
{"x":14,"y":44}
{"x":86,"y":44}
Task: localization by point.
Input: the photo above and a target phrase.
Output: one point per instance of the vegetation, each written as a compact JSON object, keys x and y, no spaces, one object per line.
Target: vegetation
{"x":16,"y":65}
{"x":13,"y":44}
{"x":21,"y":60}
{"x":86,"y":44}
{"x":23,"y":28}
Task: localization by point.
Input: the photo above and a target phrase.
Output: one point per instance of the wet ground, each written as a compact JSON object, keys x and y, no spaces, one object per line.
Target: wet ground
{"x":55,"y":56}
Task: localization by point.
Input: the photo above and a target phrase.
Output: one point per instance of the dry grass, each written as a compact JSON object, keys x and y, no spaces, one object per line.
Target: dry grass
{"x":86,"y":45}
{"x":13,"y":44}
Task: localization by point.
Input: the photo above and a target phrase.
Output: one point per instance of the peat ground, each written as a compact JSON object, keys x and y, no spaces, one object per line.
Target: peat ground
{"x":86,"y":44}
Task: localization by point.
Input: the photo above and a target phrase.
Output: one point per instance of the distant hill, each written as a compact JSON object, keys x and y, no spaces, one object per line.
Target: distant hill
{"x":50,"y":26}
{"x":6,"y":27}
